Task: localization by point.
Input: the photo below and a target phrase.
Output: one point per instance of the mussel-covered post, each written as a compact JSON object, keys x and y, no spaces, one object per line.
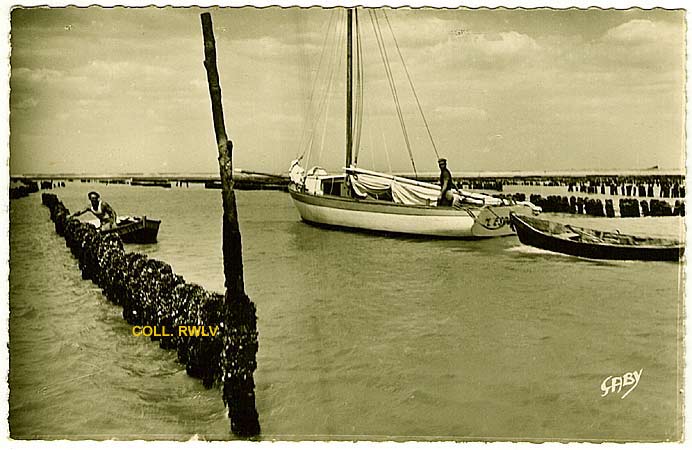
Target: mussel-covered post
{"x":240,"y":321}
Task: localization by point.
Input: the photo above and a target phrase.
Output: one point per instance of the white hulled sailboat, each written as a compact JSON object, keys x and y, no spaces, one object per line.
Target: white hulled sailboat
{"x":373,"y":201}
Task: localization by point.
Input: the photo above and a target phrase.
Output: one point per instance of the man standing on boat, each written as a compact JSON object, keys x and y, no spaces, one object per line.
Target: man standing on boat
{"x":102,"y":210}
{"x":446,"y":184}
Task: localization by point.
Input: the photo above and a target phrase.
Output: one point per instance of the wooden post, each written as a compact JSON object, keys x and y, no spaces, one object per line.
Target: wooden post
{"x":240,"y":338}
{"x":231,"y":246}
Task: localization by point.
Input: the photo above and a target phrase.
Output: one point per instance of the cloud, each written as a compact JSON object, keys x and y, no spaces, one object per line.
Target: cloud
{"x":100,"y":69}
{"x":541,"y":79}
{"x":272,"y":49}
{"x":39,"y":75}
{"x":41,"y":78}
{"x":461,"y":112}
{"x":198,"y":83}
{"x":641,"y":31}
{"x":656,"y":46}
{"x":413,"y":33}
{"x":482,"y":51}
{"x":25,"y":104}
{"x":501,"y":44}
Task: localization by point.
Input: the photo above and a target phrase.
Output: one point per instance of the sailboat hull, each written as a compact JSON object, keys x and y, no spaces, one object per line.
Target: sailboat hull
{"x":379,"y":216}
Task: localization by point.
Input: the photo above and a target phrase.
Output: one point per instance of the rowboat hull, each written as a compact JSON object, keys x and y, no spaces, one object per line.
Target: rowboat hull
{"x":387,"y":217}
{"x":142,"y":231}
{"x":529,"y":233}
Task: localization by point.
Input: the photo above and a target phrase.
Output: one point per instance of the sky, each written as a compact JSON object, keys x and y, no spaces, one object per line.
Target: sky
{"x":124,"y":90}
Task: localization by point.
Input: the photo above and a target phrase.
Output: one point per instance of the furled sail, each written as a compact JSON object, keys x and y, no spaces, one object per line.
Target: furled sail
{"x":402,"y":193}
{"x":410,"y":192}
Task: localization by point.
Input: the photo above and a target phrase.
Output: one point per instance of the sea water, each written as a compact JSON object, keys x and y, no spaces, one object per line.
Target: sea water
{"x":361,"y":336}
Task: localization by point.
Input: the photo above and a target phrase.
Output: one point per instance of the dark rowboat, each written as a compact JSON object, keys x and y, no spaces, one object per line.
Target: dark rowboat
{"x":136,"y":230}
{"x":151,"y":183}
{"x":593,"y":244}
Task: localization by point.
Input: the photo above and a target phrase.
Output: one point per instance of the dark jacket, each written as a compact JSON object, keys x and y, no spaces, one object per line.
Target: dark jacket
{"x":446,"y":184}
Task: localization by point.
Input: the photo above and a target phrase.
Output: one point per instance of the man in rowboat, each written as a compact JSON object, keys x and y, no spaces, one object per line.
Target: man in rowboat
{"x":446,"y":184}
{"x":102,"y":210}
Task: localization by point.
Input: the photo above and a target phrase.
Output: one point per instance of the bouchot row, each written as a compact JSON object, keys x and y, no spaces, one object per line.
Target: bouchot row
{"x":151,"y":294}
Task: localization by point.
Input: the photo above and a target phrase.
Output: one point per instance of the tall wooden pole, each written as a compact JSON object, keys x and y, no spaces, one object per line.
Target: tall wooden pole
{"x":239,"y":317}
{"x":231,"y":246}
{"x":349,"y":87}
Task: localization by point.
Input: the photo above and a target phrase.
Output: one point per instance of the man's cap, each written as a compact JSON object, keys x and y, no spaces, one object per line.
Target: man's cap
{"x":94,"y":193}
{"x":441,"y":160}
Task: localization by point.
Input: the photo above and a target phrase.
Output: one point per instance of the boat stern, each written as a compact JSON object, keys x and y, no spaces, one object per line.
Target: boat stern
{"x":494,"y":221}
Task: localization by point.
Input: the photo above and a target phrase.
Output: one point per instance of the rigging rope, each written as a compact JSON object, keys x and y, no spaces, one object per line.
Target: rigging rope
{"x":307,"y":129}
{"x":314,"y":120}
{"x":420,"y":108}
{"x":386,"y":152}
{"x":326,"y":94}
{"x":329,"y":92}
{"x":372,"y":154}
{"x":319,"y":110}
{"x":390,"y":79}
{"x":324,"y":130}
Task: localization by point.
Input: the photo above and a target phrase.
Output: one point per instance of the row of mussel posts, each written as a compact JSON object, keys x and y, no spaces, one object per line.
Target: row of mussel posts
{"x":151,"y":294}
{"x":628,"y":207}
{"x":665,"y":189}
{"x":23,"y":189}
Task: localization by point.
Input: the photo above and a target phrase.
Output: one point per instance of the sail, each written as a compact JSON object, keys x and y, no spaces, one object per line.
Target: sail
{"x":402,"y":193}
{"x":405,"y":191}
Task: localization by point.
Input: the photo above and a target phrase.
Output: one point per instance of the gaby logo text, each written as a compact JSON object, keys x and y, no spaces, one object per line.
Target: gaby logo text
{"x":182,"y":330}
{"x":613,"y":384}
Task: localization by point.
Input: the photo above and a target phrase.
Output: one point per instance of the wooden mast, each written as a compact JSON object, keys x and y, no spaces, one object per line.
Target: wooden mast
{"x":349,"y":87}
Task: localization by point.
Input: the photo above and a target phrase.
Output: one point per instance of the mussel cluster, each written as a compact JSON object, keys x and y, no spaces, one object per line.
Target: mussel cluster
{"x":655,"y":208}
{"x":629,"y":207}
{"x":150,"y":293}
{"x":571,"y":205}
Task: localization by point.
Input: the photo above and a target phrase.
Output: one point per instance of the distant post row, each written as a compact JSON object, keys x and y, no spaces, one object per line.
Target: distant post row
{"x":652,"y":186}
{"x":627,"y":207}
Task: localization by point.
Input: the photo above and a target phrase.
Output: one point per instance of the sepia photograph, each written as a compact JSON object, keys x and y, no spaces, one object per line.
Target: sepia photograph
{"x":346,"y":223}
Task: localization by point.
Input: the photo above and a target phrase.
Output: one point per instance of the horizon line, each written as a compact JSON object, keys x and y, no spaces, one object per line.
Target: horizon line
{"x":467,"y":173}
